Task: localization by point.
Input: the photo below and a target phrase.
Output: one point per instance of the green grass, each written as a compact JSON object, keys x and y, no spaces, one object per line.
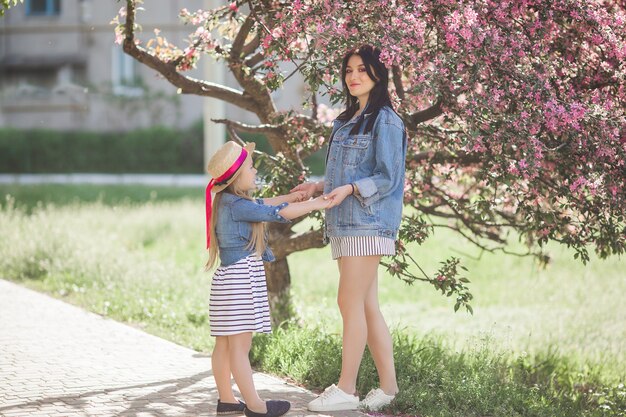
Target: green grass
{"x":436,"y":381}
{"x":28,"y":196}
{"x":139,"y":261}
{"x":136,"y":254}
{"x":518,"y":306}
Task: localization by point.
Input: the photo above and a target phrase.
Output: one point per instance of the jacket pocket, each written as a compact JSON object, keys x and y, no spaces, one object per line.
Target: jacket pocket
{"x":245,"y":232}
{"x":351,"y":215}
{"x":354,"y":148}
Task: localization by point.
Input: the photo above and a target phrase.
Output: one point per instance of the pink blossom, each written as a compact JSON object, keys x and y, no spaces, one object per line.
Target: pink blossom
{"x":580,"y":182}
{"x":512,"y":96}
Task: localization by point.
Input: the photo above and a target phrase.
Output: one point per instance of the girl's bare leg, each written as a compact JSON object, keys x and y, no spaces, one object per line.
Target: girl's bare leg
{"x":220,"y":363}
{"x":239,"y":348}
{"x":356,"y":276}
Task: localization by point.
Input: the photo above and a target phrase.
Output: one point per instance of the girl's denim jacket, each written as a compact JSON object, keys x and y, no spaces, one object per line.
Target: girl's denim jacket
{"x":374,"y":163}
{"x":234,"y":230}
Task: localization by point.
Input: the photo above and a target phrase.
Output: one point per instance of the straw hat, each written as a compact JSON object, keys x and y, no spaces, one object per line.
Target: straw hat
{"x":225,"y":160}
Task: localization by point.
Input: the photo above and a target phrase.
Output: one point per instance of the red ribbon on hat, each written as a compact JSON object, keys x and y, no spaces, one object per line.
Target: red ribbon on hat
{"x":216,"y":181}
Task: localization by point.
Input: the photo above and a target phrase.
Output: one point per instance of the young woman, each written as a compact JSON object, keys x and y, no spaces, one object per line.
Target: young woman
{"x":239,"y":305}
{"x":364,"y":181}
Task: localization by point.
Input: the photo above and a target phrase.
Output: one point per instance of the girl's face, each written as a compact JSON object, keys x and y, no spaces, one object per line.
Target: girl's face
{"x":358,"y":82}
{"x":246,"y":179}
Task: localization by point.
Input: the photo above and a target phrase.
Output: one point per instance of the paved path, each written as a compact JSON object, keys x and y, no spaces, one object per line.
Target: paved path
{"x":59,"y":360}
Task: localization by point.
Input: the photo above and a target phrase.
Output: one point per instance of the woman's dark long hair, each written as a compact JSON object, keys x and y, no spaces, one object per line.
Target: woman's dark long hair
{"x":379,"y":96}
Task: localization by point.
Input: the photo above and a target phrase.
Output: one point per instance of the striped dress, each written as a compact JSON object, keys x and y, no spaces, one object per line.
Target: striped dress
{"x":239,"y":299}
{"x":361,"y":246}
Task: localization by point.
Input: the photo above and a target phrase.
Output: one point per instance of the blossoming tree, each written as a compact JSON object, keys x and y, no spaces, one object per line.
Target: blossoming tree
{"x":7,"y":4}
{"x":515,"y":112}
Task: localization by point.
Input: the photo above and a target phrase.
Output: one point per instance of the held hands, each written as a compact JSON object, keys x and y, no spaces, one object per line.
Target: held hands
{"x":309,"y":188}
{"x":297,"y":196}
{"x":301,"y":208}
{"x":337,"y":195}
{"x":321,"y":203}
{"x":305,"y":191}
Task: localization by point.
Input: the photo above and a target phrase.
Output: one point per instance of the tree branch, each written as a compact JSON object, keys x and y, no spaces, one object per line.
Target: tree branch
{"x":306,"y":240}
{"x":187,"y":85}
{"x":430,"y":113}
{"x":397,"y":81}
{"x":314,"y":105}
{"x":253,"y":61}
{"x":459,"y":158}
{"x":308,"y":122}
{"x":242,"y":127}
{"x":252,"y":45}
{"x":240,"y":39}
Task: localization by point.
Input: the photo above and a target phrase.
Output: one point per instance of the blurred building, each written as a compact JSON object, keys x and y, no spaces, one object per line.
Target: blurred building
{"x":60,"y":69}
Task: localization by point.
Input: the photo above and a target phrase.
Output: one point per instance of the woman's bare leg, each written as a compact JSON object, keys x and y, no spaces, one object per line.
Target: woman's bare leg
{"x":379,"y":341}
{"x":356,"y":275}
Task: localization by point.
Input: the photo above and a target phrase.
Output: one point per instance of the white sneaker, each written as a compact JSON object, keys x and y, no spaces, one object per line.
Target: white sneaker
{"x":334,"y":399}
{"x":376,"y":399}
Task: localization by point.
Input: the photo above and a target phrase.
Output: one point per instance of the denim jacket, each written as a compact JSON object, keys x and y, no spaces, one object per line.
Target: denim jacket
{"x":234,"y":230}
{"x":374,"y":163}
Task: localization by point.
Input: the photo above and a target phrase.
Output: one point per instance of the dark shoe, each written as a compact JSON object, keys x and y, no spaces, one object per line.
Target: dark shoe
{"x":275,"y":408}
{"x":224,"y":409}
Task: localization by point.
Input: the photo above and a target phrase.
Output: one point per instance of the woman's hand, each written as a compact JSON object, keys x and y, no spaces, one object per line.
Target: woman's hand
{"x":321,"y":202}
{"x":339,"y":194}
{"x":309,"y":188}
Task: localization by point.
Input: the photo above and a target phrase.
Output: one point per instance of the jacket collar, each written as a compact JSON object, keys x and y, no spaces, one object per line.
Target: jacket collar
{"x":366,"y":114}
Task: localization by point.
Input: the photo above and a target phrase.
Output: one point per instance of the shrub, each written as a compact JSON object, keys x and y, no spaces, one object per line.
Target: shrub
{"x":154,"y":150}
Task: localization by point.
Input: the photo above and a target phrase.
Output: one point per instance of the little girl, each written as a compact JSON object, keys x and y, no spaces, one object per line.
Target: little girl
{"x":239,"y":304}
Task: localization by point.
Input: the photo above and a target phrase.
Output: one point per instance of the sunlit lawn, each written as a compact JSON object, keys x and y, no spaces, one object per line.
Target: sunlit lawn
{"x":575,"y":309}
{"x":139,"y":259}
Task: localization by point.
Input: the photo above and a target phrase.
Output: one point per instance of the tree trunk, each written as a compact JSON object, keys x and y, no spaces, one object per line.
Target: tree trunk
{"x":279,"y":290}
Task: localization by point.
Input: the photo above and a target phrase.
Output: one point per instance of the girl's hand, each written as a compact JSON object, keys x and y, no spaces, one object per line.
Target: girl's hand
{"x":297,"y":196}
{"x":309,"y":188}
{"x":339,"y":194}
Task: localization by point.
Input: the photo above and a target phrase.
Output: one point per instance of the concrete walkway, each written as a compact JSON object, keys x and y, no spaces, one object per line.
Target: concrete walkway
{"x":59,"y":360}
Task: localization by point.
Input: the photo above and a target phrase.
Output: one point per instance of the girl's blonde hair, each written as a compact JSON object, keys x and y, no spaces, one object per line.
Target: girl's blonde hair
{"x":257,"y":239}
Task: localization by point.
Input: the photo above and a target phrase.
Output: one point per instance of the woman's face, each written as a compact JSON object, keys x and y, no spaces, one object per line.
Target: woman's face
{"x":246,"y":179}
{"x":358,"y":82}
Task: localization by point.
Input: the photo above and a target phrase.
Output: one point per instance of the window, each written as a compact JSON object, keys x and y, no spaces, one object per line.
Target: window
{"x":124,"y":76}
{"x":43,"y":7}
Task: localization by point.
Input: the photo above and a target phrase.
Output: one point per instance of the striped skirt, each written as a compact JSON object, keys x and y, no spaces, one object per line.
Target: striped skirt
{"x":239,"y":299}
{"x":361,"y":246}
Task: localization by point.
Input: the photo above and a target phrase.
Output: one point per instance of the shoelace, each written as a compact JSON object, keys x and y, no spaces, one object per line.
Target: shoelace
{"x":369,"y":396}
{"x":328,"y":392}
